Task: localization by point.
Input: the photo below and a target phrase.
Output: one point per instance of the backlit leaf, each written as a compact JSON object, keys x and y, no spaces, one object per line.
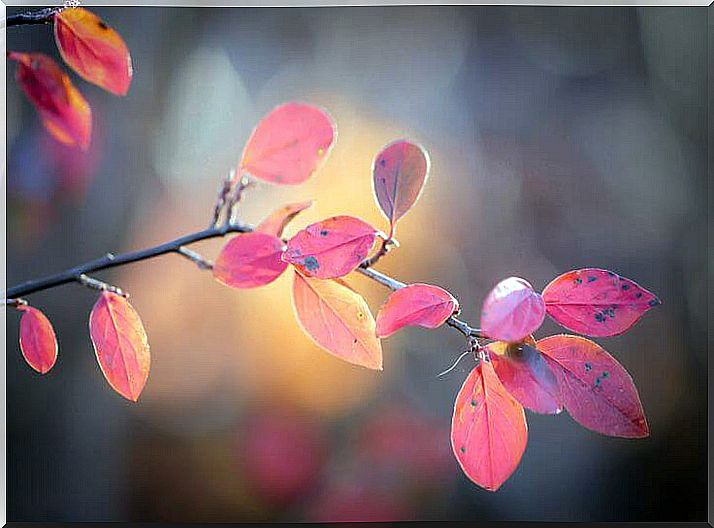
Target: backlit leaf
{"x":338,"y":319}
{"x":596,"y":390}
{"x":526,"y":375}
{"x":250,"y":260}
{"x":93,"y":49}
{"x":488,"y":429}
{"x":331,"y":248}
{"x":399,"y":173}
{"x":120,"y":344}
{"x":415,"y":305}
{"x":512,"y":311}
{"x":289,"y":144}
{"x":596,"y":302}
{"x":37,"y":339}
{"x":64,"y":112}
{"x":278,"y":220}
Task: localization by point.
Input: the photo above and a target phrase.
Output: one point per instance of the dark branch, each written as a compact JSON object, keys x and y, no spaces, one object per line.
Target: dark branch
{"x":43,"y":16}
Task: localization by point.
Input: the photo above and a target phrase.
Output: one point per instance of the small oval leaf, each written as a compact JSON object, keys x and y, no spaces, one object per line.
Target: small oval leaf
{"x":488,"y":429}
{"x":338,"y":319}
{"x":331,"y":248}
{"x":415,"y":305}
{"x":596,"y":302}
{"x":94,"y":50}
{"x":596,"y":390}
{"x":250,"y":260}
{"x":64,"y":112}
{"x":38,"y":342}
{"x":120,"y":344}
{"x":399,"y":173}
{"x":278,"y":220}
{"x":512,"y":311}
{"x":289,"y":144}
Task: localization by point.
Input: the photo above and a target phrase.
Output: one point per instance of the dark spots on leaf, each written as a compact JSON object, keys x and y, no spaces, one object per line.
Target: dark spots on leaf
{"x":323,"y":232}
{"x":102,"y":25}
{"x":473,"y":403}
{"x":597,"y":382}
{"x":383,"y":162}
{"x":592,"y":279}
{"x":625,"y":287}
{"x":611,"y":274}
{"x":311,"y":263}
{"x":638,"y":295}
{"x":355,"y":341}
{"x":578,"y":280}
{"x":588,"y":367}
{"x":610,"y":312}
{"x":462,"y":449}
{"x":653,"y":302}
{"x":599,"y":317}
{"x":605,"y":374}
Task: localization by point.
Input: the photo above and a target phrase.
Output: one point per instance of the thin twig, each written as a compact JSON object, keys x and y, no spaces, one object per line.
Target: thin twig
{"x":195,"y":257}
{"x":235,"y":198}
{"x":96,"y":284}
{"x":42,"y":16}
{"x":223,"y":192}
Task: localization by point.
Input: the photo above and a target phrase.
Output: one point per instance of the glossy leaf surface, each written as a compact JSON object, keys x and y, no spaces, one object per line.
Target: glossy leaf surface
{"x":512,"y":311}
{"x":120,"y":344}
{"x":38,"y":342}
{"x":596,"y":390}
{"x":278,"y":220}
{"x":415,"y":305}
{"x":596,"y":302}
{"x":338,"y":319}
{"x":289,"y":144}
{"x":250,"y":260}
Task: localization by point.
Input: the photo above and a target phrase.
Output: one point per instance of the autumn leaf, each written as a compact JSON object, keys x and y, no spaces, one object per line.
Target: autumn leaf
{"x":120,"y":344}
{"x":596,"y":302}
{"x":250,"y":260}
{"x":488,"y":429}
{"x":38,"y":342}
{"x":338,"y":319}
{"x":399,"y":173}
{"x":278,"y":220}
{"x":596,"y":390}
{"x":64,"y":112}
{"x":415,"y":305}
{"x":331,"y":248}
{"x":289,"y":144}
{"x":94,"y":50}
{"x":526,"y":375}
{"x":512,"y":311}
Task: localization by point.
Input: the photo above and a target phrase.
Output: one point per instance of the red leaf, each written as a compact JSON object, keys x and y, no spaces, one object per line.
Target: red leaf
{"x":526,"y":375}
{"x":488,"y":429}
{"x":338,"y":319}
{"x":331,"y":248}
{"x":250,"y":260}
{"x":64,"y":112}
{"x":415,"y":305}
{"x":512,"y":311}
{"x":280,"y":218}
{"x":596,"y":302}
{"x":289,"y":144}
{"x":37,"y":339}
{"x":120,"y":344}
{"x":596,"y":390}
{"x":399,"y":173}
{"x":93,"y":49}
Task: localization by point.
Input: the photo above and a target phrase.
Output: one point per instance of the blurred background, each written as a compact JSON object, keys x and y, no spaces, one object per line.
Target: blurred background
{"x":559,"y":137}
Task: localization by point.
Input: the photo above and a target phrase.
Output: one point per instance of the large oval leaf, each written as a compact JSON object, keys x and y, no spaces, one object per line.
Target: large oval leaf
{"x":596,"y":302}
{"x":399,"y":173}
{"x":338,"y":319}
{"x":512,"y":311}
{"x":596,"y":390}
{"x":38,"y":342}
{"x":120,"y":344}
{"x":93,"y":49}
{"x":331,"y":248}
{"x":289,"y":144}
{"x":526,"y":375}
{"x":250,"y":260}
{"x":64,"y":112}
{"x":415,"y":305}
{"x":488,"y":429}
{"x":277,"y":221}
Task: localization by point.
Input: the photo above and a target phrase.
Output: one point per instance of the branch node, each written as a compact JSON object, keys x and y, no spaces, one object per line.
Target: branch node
{"x":15,"y":303}
{"x":96,"y":284}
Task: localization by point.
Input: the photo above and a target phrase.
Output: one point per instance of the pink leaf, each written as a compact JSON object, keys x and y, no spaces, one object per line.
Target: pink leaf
{"x":512,"y":311}
{"x":488,"y":429}
{"x":526,"y":375}
{"x":37,"y":339}
{"x":415,"y":305}
{"x":331,"y":248}
{"x":596,"y":302}
{"x":596,"y":390}
{"x":278,"y":220}
{"x":289,"y":144}
{"x":250,"y":260}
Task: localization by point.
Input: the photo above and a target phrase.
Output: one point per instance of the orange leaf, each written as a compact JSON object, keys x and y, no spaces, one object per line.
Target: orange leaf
{"x":488,"y":429}
{"x":280,"y":218}
{"x":37,"y":339}
{"x":338,"y":319}
{"x":93,"y":49}
{"x":63,"y":110}
{"x":120,"y":344}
